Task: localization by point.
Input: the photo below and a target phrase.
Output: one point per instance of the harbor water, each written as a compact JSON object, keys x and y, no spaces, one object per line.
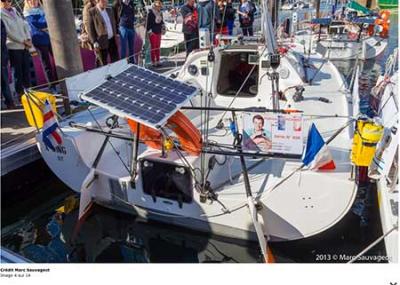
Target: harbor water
{"x":39,"y":219}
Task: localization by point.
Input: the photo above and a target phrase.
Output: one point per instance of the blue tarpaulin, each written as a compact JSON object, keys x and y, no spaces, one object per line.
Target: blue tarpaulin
{"x":321,"y":21}
{"x":362,"y":20}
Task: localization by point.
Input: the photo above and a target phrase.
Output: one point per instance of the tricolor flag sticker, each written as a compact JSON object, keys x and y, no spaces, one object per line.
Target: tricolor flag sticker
{"x":317,"y":155}
{"x":51,"y":136}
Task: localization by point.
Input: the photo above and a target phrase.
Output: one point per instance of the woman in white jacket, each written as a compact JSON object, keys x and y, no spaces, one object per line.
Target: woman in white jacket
{"x":18,"y":43}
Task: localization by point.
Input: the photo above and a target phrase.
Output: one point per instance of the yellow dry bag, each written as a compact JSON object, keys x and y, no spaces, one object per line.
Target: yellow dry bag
{"x":366,"y":136}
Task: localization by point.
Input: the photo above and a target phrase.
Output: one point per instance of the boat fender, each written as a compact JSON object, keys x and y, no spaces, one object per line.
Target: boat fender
{"x":383,"y":23}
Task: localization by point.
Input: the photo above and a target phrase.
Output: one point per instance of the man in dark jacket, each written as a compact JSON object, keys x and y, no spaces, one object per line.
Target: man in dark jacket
{"x":102,"y":32}
{"x":230,"y":14}
{"x":5,"y":88}
{"x":190,"y":27}
{"x":124,"y":11}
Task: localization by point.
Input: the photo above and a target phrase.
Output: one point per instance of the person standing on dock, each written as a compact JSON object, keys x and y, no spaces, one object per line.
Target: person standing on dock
{"x":35,"y":17}
{"x":190,"y":28}
{"x":222,"y":27}
{"x":5,"y":87}
{"x":84,"y":36}
{"x":155,"y":29}
{"x":125,"y":16}
{"x":18,"y":43}
{"x":209,"y":16}
{"x":246,"y":17}
{"x":230,"y":14}
{"x":102,"y":33}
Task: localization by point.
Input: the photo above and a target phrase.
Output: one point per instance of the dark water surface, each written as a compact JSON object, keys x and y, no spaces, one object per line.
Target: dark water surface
{"x":34,"y":225}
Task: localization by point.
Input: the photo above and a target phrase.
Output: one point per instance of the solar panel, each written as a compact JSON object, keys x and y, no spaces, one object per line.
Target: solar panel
{"x":141,"y":95}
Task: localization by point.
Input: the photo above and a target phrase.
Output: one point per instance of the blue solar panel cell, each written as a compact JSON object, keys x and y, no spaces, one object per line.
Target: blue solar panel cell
{"x":141,"y":95}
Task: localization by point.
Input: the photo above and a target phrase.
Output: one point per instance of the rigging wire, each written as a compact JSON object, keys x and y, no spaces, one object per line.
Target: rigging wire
{"x":109,"y":141}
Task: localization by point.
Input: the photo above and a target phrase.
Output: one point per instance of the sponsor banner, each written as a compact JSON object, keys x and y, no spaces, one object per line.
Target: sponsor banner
{"x":272,"y":132}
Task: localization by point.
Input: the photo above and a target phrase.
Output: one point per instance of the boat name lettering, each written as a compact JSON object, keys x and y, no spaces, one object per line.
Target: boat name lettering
{"x":59,"y":149}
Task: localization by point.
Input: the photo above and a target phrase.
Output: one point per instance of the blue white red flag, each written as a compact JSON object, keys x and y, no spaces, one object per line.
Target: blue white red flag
{"x":50,"y":135}
{"x":317,"y":155}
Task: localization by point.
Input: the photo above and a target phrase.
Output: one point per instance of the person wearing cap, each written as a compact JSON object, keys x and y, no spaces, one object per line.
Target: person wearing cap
{"x":125,"y":17}
{"x":190,"y":28}
{"x":155,"y":29}
{"x":102,"y":32}
{"x":208,"y":11}
{"x":18,"y":43}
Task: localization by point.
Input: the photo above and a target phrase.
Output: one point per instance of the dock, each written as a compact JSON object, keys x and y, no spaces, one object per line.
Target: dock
{"x":18,"y":144}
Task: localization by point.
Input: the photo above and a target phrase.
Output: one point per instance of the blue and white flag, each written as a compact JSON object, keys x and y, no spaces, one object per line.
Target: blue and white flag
{"x":317,"y":155}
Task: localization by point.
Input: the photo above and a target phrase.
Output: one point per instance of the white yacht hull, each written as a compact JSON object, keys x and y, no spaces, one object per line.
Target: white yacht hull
{"x":343,"y":48}
{"x":387,"y":185}
{"x":365,"y":49}
{"x":306,"y":204}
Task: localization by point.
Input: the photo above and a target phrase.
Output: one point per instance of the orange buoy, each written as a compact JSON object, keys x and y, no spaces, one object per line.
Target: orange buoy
{"x":188,"y":135}
{"x":384,"y":23}
{"x":149,"y":136}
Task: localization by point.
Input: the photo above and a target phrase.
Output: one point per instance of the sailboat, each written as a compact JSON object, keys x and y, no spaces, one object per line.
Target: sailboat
{"x":384,"y":167}
{"x":361,"y":34}
{"x":217,"y":145}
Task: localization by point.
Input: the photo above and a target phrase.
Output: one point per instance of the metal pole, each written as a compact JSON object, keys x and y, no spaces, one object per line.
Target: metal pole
{"x":317,"y":8}
{"x":273,"y":10}
{"x":64,"y":41}
{"x":135,"y":149}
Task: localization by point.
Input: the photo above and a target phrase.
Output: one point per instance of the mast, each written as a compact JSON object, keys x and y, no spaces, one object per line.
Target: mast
{"x":317,"y":8}
{"x":273,"y":55}
{"x":273,"y":7}
{"x":334,"y":7}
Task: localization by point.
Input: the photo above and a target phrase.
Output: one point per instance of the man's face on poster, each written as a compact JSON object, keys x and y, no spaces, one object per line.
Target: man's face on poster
{"x":258,"y":125}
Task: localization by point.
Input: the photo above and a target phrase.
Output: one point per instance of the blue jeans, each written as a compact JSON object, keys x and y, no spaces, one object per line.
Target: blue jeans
{"x":230,"y":26}
{"x":127,"y":37}
{"x":5,"y":87}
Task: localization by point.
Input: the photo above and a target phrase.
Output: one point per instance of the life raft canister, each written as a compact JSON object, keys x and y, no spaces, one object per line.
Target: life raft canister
{"x":366,"y":136}
{"x":187,"y":134}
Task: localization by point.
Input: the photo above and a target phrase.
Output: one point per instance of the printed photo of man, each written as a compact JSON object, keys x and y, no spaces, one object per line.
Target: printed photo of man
{"x":257,"y":138}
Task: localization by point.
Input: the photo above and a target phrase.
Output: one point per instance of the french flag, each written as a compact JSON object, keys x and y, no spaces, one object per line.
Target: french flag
{"x":51,"y":136}
{"x":317,"y":155}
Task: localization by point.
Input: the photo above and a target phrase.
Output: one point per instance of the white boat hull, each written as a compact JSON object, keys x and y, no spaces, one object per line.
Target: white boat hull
{"x":306,"y":204}
{"x":341,"y":48}
{"x":387,"y":185}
